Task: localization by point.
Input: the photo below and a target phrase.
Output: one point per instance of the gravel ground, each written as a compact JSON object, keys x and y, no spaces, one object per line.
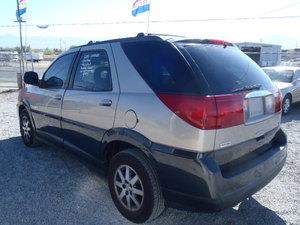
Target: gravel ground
{"x":46,"y":185}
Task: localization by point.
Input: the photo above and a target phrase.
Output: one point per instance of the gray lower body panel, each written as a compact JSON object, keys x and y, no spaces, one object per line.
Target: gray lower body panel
{"x":211,"y":183}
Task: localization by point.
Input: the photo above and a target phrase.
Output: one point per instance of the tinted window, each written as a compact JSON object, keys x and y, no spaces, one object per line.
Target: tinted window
{"x":227,"y":68}
{"x":280,"y":75}
{"x":93,"y":72}
{"x":56,"y":75}
{"x":162,"y":67}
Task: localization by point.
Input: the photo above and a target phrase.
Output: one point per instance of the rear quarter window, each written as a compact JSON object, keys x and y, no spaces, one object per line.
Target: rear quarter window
{"x":162,"y":67}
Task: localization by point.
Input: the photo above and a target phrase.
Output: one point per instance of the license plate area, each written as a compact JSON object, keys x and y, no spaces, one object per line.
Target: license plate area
{"x":255,"y":107}
{"x":259,"y":105}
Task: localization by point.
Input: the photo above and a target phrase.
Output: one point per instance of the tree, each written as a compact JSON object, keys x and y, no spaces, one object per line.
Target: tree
{"x":17,"y":49}
{"x":48,"y":51}
{"x":57,"y":51}
{"x":27,"y":48}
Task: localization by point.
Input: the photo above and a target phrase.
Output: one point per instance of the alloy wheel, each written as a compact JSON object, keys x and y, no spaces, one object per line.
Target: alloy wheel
{"x":129,"y":188}
{"x":286,"y":105}
{"x":26,"y":128}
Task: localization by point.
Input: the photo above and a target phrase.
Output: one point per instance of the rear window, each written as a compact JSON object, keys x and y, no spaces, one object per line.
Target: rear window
{"x":163,"y":67}
{"x":226,"y":69}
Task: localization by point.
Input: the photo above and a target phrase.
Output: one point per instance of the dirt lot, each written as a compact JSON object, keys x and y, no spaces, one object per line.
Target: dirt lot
{"x":46,"y":185}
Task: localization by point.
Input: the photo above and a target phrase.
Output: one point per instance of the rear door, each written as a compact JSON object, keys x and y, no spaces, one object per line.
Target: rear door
{"x":232,"y":75}
{"x":47,"y":99}
{"x":90,"y":102}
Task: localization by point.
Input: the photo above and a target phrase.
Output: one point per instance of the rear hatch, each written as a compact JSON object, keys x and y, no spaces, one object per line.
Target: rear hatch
{"x":248,"y":104}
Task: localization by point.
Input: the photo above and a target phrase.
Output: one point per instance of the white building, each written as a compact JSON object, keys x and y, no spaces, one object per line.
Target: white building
{"x":262,"y":54}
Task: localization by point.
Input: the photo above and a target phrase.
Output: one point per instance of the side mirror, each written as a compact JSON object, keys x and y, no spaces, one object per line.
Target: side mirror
{"x":31,"y":78}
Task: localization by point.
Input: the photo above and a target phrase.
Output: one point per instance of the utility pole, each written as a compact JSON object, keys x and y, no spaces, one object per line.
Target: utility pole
{"x":149,"y":13}
{"x":19,"y":20}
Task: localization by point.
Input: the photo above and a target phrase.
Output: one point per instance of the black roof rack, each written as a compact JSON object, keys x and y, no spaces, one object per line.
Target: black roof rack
{"x":139,"y":37}
{"x":169,"y":35}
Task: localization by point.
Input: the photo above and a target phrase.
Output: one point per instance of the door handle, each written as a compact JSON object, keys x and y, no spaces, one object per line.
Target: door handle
{"x":57,"y":97}
{"x":106,"y":102}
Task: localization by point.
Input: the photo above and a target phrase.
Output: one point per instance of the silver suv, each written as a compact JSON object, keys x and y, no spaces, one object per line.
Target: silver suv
{"x":172,"y":121}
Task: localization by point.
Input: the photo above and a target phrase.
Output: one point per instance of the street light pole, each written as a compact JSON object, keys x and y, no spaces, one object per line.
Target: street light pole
{"x":19,"y":20}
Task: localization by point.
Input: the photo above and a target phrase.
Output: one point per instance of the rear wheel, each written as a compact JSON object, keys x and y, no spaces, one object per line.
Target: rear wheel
{"x":286,"y":104}
{"x":26,"y":129}
{"x":134,"y":186}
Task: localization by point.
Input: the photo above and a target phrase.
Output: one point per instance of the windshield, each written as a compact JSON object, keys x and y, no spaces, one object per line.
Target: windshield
{"x":227,"y":69}
{"x":280,"y":75}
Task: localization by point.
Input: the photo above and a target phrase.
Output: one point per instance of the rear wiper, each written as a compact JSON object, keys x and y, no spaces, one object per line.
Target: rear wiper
{"x":248,"y":88}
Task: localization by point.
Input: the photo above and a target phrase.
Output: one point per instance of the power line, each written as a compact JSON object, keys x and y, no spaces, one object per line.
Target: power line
{"x":162,"y":21}
{"x":281,"y":8}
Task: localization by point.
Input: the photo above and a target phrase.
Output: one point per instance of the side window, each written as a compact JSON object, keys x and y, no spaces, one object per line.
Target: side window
{"x":57,"y":74}
{"x":162,"y":67}
{"x":93,"y":72}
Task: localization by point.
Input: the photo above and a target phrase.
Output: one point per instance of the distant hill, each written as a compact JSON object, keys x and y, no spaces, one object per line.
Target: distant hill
{"x":42,"y":42}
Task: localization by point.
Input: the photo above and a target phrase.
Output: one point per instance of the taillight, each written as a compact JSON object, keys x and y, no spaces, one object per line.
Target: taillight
{"x":217,"y":41}
{"x":199,"y":111}
{"x":230,"y":110}
{"x":278,"y":101}
{"x":207,"y":112}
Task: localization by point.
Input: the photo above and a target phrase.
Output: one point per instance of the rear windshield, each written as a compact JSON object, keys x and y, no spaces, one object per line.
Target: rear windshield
{"x":163,"y":67}
{"x":226,"y":69}
{"x":280,"y":75}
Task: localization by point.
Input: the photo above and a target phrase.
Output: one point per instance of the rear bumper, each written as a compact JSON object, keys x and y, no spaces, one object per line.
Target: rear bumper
{"x":204,"y":183}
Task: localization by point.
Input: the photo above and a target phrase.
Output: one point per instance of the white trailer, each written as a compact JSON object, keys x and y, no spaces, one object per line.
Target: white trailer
{"x":262,"y":54}
{"x":34,"y":56}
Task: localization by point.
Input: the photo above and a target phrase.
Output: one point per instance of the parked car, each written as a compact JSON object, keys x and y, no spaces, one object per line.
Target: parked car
{"x":172,"y":121}
{"x":287,"y":79}
{"x":9,"y":56}
{"x":34,"y":56}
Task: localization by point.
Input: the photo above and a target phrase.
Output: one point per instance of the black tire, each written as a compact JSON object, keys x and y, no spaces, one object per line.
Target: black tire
{"x":286,"y":104}
{"x":152,"y":203}
{"x":28,"y":136}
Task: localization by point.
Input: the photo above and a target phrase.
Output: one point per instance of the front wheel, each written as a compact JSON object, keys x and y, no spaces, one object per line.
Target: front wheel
{"x":134,"y":186}
{"x":286,"y":105}
{"x":26,"y":129}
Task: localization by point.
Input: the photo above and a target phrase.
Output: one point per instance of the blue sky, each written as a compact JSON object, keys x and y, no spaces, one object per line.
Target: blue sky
{"x":285,"y":31}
